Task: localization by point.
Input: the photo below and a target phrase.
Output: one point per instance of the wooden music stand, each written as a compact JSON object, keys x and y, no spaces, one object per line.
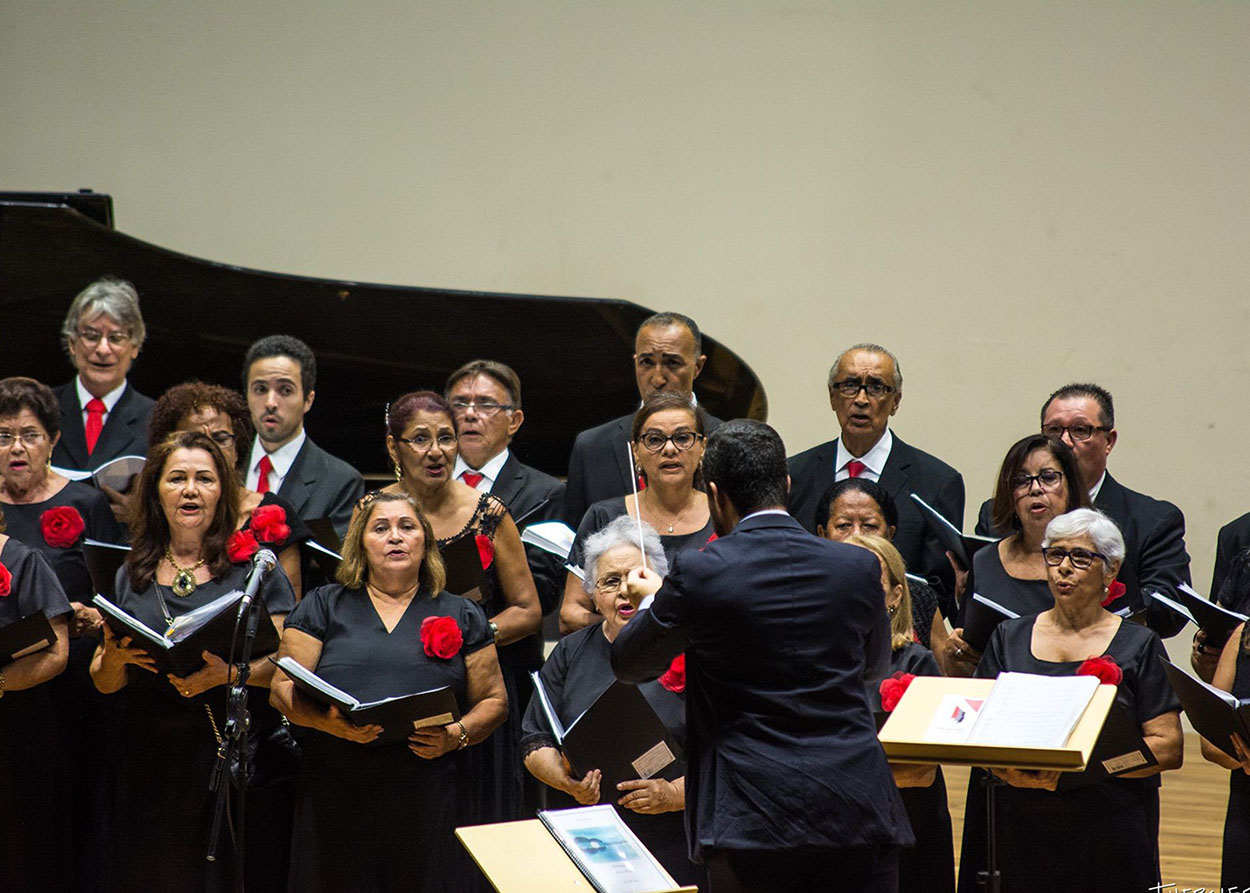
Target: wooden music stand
{"x":523,"y":857}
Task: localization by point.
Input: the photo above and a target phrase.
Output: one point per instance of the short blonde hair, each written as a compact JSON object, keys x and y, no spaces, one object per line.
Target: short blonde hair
{"x":896,"y":569}
{"x":354,"y":568}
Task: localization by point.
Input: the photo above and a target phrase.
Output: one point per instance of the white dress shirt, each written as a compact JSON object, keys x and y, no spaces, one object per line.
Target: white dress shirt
{"x":110,"y":400}
{"x":282,"y":459}
{"x":874,"y":460}
{"x":489,"y":471}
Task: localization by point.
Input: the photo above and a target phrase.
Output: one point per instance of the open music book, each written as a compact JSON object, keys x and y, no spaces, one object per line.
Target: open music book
{"x":555,"y":537}
{"x":117,"y":474}
{"x":1216,"y":714}
{"x":605,"y":850}
{"x":1218,"y":621}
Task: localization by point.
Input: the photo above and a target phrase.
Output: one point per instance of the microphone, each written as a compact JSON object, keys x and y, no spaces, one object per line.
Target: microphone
{"x":262,"y":563}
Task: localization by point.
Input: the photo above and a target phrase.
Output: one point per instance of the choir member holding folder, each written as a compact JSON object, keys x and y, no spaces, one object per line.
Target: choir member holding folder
{"x":1045,"y":840}
{"x":32,"y":781}
{"x":1037,"y":482}
{"x":1232,"y":674}
{"x":383,"y":817}
{"x":183,"y":556}
{"x":579,"y":670}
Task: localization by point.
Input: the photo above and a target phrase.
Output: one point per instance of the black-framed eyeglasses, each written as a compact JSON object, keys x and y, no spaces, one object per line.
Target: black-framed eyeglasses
{"x":485,"y":408}
{"x":609,"y":583}
{"x":1048,"y":478}
{"x":30,"y":438}
{"x":1078,"y":433}
{"x":92,"y":337}
{"x":654,"y":441}
{"x":424,"y":442}
{"x":850,"y":387}
{"x":1082,"y":559}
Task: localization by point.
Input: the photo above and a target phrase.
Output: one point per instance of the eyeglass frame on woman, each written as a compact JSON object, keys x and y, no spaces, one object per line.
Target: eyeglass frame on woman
{"x":1080,"y":564}
{"x":1024,"y":482}
{"x":657,"y":445}
{"x":874,"y":389}
{"x":601,"y":583}
{"x":1087,"y":431}
{"x":29,"y":438}
{"x":443,"y":440}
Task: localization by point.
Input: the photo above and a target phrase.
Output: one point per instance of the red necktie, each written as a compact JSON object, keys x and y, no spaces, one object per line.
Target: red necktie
{"x":855,"y":468}
{"x":95,"y":422}
{"x":472,"y":478}
{"x":264,"y":466}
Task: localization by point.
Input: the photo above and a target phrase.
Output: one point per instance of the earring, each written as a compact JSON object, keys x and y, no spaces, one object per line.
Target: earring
{"x":891,"y":609}
{"x":399,"y":475}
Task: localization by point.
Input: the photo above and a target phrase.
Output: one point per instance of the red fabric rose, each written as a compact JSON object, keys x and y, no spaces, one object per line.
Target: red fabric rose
{"x":1114,"y":591}
{"x":674,"y":678}
{"x":269,"y":525}
{"x":485,"y":549}
{"x":6,"y":581}
{"x":1105,"y":668}
{"x":61,"y":526}
{"x":892,"y":689}
{"x":441,"y":637}
{"x":241,"y":546}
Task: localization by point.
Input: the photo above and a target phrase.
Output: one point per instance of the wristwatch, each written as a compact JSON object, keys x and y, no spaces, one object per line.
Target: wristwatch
{"x":494,"y":630}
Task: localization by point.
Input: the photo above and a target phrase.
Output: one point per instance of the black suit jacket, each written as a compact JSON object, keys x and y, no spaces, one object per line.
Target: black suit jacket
{"x":780,"y":631}
{"x":322,"y":486}
{"x":532,"y":496}
{"x":601,"y":466}
{"x":1233,"y":539}
{"x":907,"y":470}
{"x":125,"y":431}
{"x":1154,"y":549}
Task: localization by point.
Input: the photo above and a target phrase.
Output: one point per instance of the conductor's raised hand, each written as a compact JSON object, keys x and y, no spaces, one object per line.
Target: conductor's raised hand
{"x":641,"y":582}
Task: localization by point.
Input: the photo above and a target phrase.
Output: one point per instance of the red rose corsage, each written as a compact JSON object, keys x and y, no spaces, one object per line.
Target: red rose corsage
{"x":61,"y":526}
{"x":1105,"y":668}
{"x":241,"y":546}
{"x":441,"y":637}
{"x":269,"y":525}
{"x":892,"y":689}
{"x":485,"y":549}
{"x":674,"y":678}
{"x":1114,"y":591}
{"x":6,"y":581}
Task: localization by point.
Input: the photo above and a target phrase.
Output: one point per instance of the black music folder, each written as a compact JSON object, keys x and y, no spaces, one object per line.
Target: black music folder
{"x":1215,"y":714}
{"x":1120,"y":748}
{"x":1218,"y":621}
{"x":31,"y":634}
{"x":981,"y":618}
{"x":103,"y":561}
{"x":398,"y":716}
{"x":463,"y":562}
{"x":324,"y":549}
{"x":210,"y":627}
{"x":619,"y":734}
{"x":962,"y":545}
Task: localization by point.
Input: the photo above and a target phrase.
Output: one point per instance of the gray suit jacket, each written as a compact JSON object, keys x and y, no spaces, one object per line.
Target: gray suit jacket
{"x":322,"y":486}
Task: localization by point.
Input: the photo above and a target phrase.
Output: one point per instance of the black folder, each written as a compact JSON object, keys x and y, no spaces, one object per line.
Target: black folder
{"x":31,"y":634}
{"x":208,"y":628}
{"x":324,"y":549}
{"x":962,"y":545}
{"x":981,"y":617}
{"x":464,"y":567}
{"x":398,"y":716}
{"x":1120,"y":748}
{"x":103,"y":561}
{"x":1217,"y":621}
{"x":1215,"y":714}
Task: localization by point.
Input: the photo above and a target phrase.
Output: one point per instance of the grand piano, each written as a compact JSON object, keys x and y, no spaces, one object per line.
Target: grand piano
{"x":373,"y":342}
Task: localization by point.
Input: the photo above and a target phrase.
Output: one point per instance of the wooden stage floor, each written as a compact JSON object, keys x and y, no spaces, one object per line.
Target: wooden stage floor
{"x":1192,"y":803}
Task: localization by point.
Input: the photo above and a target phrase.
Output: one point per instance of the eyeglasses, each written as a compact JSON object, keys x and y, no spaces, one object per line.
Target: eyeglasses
{"x":850,"y":387}
{"x":485,"y":408}
{"x":1078,"y":433}
{"x":30,"y":438}
{"x":654,"y":441}
{"x":610,"y":583}
{"x":423,"y":442}
{"x":1081,"y":559}
{"x":1048,"y":478}
{"x":92,"y":337}
{"x":222,"y":438}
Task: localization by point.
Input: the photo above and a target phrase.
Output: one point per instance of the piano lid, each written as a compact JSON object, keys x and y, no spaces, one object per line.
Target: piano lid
{"x":373,"y":342}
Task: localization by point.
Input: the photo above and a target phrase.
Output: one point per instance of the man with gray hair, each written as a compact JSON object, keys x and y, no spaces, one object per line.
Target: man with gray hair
{"x":865,"y":389}
{"x":102,"y":416}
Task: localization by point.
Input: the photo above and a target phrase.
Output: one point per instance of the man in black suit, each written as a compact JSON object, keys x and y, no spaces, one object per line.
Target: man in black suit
{"x":279,"y":378}
{"x":865,"y":389}
{"x":668,"y":356}
{"x":786,"y":785}
{"x":1233,"y":539}
{"x":102,"y":416}
{"x":1083,"y":417}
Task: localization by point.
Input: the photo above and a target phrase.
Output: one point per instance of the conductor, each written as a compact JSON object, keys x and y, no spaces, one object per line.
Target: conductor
{"x":786,"y":787}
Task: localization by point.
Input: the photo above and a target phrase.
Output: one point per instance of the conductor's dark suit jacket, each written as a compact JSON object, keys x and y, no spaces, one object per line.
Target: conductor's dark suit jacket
{"x":125,"y":431}
{"x":601,"y":467}
{"x":319,"y":485}
{"x":777,"y":627}
{"x":1155,"y":559}
{"x":907,"y":470}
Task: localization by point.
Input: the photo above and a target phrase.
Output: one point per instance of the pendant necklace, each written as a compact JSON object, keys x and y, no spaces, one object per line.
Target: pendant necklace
{"x":184,"y":577}
{"x":676,"y":520}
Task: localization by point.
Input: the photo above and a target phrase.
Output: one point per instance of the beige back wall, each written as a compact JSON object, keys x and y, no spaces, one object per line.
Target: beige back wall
{"x":1009,"y":195}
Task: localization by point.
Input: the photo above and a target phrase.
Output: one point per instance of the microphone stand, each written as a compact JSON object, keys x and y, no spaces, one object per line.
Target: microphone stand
{"x":233,"y":747}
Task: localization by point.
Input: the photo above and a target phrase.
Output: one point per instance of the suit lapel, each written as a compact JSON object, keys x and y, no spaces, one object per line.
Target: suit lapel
{"x":509,"y":482}
{"x":894,"y":475}
{"x":296,"y":486}
{"x":73,"y":437}
{"x":118,"y":429}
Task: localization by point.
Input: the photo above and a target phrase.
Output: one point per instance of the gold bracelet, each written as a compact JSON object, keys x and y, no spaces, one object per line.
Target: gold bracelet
{"x":2,"y":687}
{"x":464,"y":734}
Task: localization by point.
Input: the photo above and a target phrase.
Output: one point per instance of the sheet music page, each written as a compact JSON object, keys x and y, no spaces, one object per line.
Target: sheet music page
{"x":1026,"y":710}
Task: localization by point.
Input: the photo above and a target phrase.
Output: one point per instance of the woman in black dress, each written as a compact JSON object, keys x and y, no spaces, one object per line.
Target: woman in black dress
{"x":183,"y":516}
{"x":930,"y":863}
{"x":668,"y":440}
{"x":1038,"y":481}
{"x":579,"y":670}
{"x":383,"y":818}
{"x":53,"y":515}
{"x":1232,"y":674}
{"x":1045,"y":837}
{"x":32,"y":773}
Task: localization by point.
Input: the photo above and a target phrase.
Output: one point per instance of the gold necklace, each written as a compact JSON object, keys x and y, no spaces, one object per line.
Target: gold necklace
{"x":676,"y":520}
{"x":184,"y":577}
